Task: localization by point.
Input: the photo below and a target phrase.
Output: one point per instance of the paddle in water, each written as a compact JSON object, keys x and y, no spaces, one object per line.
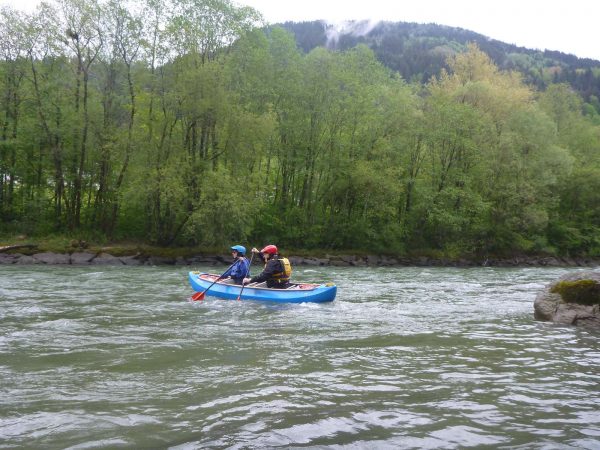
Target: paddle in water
{"x":247,"y":275}
{"x":199,"y":296}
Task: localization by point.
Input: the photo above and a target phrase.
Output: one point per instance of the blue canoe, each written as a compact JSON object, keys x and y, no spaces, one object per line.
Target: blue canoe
{"x":296,"y":293}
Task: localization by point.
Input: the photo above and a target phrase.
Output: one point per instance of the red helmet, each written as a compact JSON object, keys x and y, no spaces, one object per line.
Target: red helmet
{"x":270,"y":249}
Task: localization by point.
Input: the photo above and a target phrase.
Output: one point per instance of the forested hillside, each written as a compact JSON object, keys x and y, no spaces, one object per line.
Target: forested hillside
{"x":420,"y":51}
{"x":190,"y":123}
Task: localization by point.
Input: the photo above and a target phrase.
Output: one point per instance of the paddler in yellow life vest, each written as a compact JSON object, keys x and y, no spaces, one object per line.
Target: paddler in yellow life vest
{"x":277,"y":270}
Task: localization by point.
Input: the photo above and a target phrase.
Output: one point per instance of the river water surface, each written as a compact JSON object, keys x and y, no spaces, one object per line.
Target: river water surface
{"x":107,"y":357}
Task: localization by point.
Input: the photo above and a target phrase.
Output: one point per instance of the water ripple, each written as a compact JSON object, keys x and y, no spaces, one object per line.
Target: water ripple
{"x":404,"y":358}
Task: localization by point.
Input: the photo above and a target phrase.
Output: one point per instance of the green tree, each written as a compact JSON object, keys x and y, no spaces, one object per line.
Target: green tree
{"x":12,"y":78}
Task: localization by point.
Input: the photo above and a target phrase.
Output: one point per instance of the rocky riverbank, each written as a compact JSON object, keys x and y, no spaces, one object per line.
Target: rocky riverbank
{"x":104,"y":258}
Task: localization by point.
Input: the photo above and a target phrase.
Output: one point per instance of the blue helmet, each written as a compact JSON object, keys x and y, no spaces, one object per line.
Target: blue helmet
{"x":240,"y":249}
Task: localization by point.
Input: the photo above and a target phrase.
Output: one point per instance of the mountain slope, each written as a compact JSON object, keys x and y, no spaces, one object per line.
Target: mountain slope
{"x":419,"y":51}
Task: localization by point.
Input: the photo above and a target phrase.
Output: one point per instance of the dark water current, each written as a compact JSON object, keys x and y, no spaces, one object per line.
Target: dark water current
{"x":107,"y":357}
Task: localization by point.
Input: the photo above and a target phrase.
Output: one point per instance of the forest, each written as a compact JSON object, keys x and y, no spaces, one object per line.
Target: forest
{"x":192,"y":123}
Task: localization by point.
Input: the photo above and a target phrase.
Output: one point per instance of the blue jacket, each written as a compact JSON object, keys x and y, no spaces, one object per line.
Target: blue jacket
{"x":238,"y":271}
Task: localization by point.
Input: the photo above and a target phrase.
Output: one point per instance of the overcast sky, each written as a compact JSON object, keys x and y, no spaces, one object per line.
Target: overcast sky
{"x":566,"y":26}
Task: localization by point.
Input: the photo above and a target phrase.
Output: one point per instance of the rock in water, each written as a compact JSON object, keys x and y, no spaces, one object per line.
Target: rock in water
{"x":572,"y":300}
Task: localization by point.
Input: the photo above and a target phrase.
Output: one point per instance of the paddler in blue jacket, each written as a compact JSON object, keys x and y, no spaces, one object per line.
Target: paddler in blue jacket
{"x":241,"y":266}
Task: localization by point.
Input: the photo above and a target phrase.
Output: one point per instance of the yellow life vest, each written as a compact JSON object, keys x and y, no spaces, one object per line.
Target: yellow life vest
{"x":284,"y":277}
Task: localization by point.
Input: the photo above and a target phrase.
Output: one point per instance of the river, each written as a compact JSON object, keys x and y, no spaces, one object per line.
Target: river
{"x":405,"y":357}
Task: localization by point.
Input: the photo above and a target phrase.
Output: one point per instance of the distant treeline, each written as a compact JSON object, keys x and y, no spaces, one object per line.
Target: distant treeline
{"x":190,"y":123}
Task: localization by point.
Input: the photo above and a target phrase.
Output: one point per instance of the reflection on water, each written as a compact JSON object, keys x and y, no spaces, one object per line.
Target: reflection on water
{"x":404,"y":358}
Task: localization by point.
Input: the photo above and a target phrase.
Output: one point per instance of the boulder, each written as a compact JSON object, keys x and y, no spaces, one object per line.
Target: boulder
{"x":131,"y":260}
{"x":372,"y":260}
{"x":9,"y":258}
{"x":82,"y":258}
{"x":315,"y":262}
{"x":572,"y":300}
{"x":358,"y":262}
{"x":388,"y":261}
{"x":181,"y":261}
{"x":52,"y":258}
{"x":27,"y":260}
{"x":106,"y":259}
{"x":203,"y":259}
{"x":294,"y":260}
{"x":160,"y":261}
{"x":338,"y":263}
